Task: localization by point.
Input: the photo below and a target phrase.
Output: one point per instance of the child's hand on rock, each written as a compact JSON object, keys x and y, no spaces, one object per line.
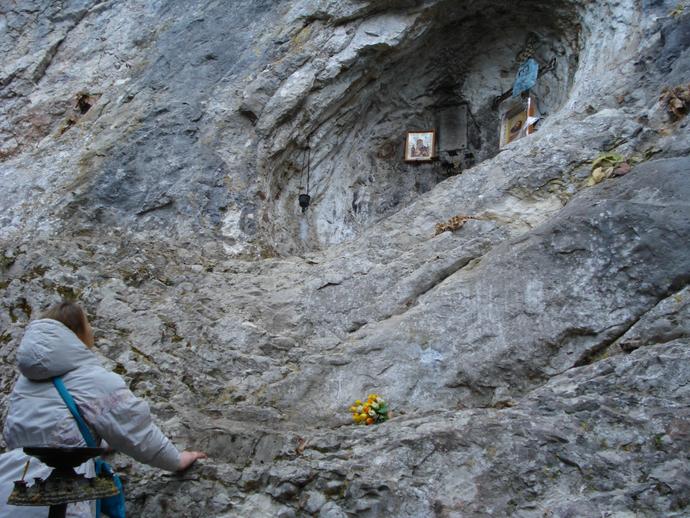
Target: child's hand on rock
{"x":187,"y":458}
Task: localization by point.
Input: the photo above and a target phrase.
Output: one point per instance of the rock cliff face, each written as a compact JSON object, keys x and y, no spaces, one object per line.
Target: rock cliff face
{"x":536,"y":358}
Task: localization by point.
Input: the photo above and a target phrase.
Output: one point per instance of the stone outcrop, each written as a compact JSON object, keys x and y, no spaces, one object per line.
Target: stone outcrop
{"x":535,"y":357}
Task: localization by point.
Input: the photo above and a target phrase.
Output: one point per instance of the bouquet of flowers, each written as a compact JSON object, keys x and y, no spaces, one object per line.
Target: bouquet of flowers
{"x":374,"y":410}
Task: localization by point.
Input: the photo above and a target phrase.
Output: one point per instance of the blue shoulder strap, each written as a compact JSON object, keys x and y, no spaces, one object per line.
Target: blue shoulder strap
{"x":83,"y":428}
{"x":67,"y":398}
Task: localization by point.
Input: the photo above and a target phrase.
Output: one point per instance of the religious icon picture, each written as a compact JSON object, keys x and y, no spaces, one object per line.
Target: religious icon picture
{"x":420,"y":146}
{"x":514,"y":125}
{"x":519,"y":119}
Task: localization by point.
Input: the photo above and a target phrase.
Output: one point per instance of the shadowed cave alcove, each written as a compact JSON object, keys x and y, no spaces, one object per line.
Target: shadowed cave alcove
{"x":446,"y":74}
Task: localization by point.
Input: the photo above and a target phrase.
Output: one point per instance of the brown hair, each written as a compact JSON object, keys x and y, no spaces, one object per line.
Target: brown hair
{"x":69,"y":313}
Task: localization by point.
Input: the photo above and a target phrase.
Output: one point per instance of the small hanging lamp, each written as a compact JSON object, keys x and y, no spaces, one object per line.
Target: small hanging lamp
{"x":304,"y":198}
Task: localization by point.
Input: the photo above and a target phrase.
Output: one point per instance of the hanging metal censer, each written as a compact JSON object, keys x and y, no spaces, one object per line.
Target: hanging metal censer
{"x":64,"y":485}
{"x":304,"y":198}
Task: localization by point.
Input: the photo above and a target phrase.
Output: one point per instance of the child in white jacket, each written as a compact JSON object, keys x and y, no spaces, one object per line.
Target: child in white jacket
{"x":58,"y":345}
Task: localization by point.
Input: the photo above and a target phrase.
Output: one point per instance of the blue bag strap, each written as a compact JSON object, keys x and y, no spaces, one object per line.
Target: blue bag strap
{"x":84,"y":429}
{"x":67,"y":398}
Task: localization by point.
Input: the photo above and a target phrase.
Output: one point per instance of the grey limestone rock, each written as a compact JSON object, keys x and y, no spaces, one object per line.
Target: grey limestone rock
{"x":535,"y":358}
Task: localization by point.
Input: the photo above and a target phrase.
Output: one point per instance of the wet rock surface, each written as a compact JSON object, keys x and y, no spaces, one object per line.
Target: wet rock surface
{"x":535,"y":358}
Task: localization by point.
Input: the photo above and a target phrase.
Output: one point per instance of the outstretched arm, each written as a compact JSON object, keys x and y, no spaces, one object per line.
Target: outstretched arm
{"x":125,"y":422}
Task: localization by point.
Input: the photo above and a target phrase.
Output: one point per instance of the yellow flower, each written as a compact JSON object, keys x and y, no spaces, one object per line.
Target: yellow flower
{"x":369,"y":412}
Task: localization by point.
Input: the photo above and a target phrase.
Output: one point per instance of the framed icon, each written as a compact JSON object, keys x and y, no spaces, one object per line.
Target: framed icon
{"x":420,"y":146}
{"x":519,"y":119}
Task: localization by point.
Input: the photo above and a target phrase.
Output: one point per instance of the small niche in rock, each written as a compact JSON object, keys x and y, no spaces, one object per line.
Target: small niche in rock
{"x":66,"y":125}
{"x":459,"y":136}
{"x":445,"y":76}
{"x":84,"y":101}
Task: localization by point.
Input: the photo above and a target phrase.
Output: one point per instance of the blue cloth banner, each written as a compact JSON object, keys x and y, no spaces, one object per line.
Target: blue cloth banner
{"x":526,"y":77}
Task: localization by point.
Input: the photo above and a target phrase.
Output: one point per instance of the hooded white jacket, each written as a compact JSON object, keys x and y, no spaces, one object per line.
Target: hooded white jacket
{"x":38,"y":416}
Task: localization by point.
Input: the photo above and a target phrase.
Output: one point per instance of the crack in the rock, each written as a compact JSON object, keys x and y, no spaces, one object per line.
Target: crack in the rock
{"x":52,"y":51}
{"x":423,"y":460}
{"x":47,"y":59}
{"x":587,"y":357}
{"x":421,"y":289}
{"x":437,"y":279}
{"x":411,"y":301}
